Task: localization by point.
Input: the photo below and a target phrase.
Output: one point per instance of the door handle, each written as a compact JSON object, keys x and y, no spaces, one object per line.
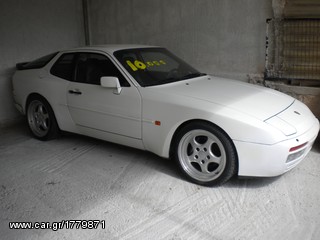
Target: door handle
{"x":77,"y":92}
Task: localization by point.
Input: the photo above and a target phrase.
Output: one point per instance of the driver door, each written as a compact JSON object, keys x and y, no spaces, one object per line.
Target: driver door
{"x":97,"y":108}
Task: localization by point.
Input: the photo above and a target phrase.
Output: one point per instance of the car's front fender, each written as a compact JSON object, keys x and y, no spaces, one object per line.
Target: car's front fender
{"x":162,"y":115}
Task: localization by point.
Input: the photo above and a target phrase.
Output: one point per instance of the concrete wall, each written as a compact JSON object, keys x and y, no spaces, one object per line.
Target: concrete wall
{"x":224,"y":37}
{"x":31,"y":29}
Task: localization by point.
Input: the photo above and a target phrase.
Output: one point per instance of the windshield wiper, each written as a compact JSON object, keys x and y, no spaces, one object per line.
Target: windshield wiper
{"x":193,"y":75}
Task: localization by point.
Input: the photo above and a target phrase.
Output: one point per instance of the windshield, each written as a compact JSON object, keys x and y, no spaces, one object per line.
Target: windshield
{"x":155,"y":66}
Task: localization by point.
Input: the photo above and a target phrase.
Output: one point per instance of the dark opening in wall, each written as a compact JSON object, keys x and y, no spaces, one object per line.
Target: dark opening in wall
{"x":293,"y":50}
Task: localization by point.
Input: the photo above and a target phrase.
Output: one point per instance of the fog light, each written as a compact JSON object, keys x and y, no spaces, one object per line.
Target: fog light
{"x":296,"y":155}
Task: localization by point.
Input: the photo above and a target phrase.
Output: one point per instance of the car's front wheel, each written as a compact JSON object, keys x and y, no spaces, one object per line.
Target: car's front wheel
{"x":41,"y":120}
{"x":205,"y":154}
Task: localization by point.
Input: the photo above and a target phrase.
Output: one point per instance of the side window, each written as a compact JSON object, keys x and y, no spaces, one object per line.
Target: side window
{"x":63,"y":68}
{"x":91,"y":67}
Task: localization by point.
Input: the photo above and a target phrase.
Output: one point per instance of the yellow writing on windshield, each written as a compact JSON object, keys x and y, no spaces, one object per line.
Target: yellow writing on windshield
{"x":138,"y":65}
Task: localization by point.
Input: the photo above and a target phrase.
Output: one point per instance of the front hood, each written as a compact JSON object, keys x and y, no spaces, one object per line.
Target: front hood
{"x":296,"y":118}
{"x":259,"y":102}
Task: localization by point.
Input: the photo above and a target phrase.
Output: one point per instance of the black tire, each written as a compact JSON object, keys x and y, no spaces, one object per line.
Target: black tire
{"x":41,"y":119}
{"x":205,"y":154}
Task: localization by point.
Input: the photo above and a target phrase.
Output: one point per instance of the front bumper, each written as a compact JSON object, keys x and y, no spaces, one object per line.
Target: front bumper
{"x":261,"y":160}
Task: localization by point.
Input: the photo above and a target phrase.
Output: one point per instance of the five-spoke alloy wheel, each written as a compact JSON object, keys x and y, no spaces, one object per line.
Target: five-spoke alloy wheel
{"x":205,"y":154}
{"x":41,"y":119}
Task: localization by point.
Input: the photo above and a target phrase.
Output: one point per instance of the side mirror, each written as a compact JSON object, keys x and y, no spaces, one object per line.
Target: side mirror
{"x":111,"y":82}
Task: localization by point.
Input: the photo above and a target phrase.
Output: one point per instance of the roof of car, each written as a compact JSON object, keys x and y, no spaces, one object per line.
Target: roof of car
{"x":110,"y":48}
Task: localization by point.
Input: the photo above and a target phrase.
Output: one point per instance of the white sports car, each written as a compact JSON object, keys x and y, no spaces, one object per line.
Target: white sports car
{"x":146,"y":97}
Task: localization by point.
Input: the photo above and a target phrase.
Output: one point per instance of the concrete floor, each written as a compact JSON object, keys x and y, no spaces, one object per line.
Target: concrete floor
{"x":141,"y":196}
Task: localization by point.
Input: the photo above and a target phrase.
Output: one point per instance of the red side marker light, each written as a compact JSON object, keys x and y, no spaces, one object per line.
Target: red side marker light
{"x":297,"y":147}
{"x":157,"y":123}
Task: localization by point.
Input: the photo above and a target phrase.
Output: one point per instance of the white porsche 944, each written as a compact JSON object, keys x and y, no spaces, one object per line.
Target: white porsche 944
{"x":147,"y":98}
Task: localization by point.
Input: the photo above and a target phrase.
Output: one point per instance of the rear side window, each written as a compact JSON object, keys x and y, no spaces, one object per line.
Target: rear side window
{"x":38,"y":63}
{"x":64,"y":66}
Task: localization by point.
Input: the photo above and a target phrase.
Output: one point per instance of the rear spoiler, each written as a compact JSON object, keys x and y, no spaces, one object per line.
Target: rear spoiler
{"x":38,"y":63}
{"x":21,"y":65}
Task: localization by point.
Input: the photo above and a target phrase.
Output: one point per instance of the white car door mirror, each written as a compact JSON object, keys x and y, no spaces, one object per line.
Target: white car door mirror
{"x":111,"y":82}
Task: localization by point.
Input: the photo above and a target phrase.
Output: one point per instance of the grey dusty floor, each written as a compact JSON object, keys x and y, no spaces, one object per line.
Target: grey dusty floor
{"x":141,"y":196}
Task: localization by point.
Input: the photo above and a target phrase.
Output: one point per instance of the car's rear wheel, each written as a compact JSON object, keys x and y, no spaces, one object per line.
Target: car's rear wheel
{"x":205,"y":154}
{"x":41,"y":120}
